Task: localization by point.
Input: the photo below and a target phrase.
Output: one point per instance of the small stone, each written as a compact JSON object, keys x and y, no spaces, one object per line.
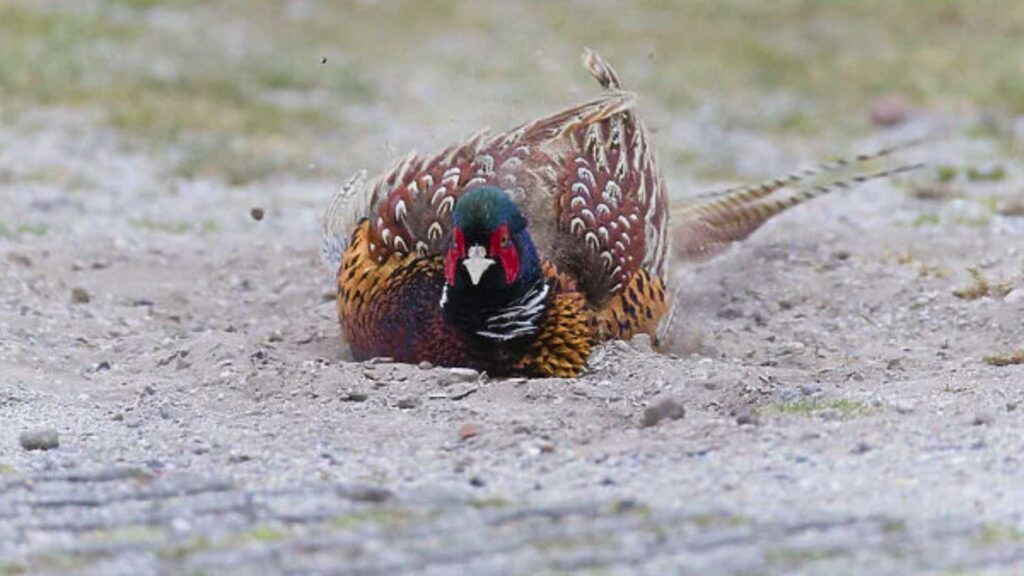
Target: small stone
{"x":323,"y":59}
{"x":860,"y":448}
{"x":39,"y":439}
{"x":103,"y":366}
{"x":80,"y":296}
{"x":469,"y":430}
{"x":408,"y":403}
{"x":355,"y":397}
{"x":476,"y":482}
{"x":982,"y":419}
{"x":745,"y":416}
{"x":667,"y":408}
{"x":257,"y":213}
{"x":364,"y":493}
{"x":903,"y":407}
{"x":1014,"y":296}
{"x":425,"y":365}
{"x":642,"y":343}
{"x":890,"y":110}
{"x":20,"y":259}
{"x":455,"y":375}
{"x":460,"y":391}
{"x":372,"y":374}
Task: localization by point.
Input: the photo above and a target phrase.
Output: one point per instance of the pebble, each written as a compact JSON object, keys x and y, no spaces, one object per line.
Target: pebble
{"x":890,"y":110}
{"x":355,"y":397}
{"x":1014,"y":296}
{"x":669,"y":408}
{"x":408,"y":403}
{"x":460,"y":391}
{"x":469,"y":430}
{"x":982,"y":419}
{"x":364,"y":493}
{"x":257,"y":213}
{"x":20,"y":259}
{"x":860,"y":448}
{"x":642,"y":343}
{"x":80,"y":296}
{"x":39,"y":439}
{"x":903,"y":407}
{"x":456,"y":375}
{"x":746,"y":416}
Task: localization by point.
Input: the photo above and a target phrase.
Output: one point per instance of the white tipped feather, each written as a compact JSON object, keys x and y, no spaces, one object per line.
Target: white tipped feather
{"x":353,"y":202}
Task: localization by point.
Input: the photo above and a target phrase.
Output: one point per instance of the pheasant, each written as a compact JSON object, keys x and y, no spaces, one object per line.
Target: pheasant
{"x":516,"y":252}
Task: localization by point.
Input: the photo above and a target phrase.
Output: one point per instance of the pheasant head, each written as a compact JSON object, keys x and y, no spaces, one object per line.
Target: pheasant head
{"x":494,"y":289}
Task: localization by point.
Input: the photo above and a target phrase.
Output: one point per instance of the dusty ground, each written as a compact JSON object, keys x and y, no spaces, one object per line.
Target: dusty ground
{"x":840,"y":417}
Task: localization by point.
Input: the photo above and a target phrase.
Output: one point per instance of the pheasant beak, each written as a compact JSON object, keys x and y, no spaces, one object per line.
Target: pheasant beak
{"x":477,"y":263}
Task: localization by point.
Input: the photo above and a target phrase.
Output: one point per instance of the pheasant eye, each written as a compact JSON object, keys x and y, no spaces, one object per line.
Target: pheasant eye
{"x":505,"y":241}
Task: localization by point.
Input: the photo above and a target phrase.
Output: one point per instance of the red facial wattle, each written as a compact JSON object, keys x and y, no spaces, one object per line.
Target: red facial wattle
{"x":451,"y":259}
{"x":504,"y":249}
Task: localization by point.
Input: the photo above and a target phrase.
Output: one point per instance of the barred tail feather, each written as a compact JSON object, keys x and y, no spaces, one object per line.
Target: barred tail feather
{"x":715,"y":199}
{"x":705,"y":229}
{"x":601,"y":70}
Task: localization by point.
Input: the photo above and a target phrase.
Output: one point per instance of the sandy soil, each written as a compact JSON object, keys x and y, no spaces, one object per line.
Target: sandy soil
{"x":839,"y":416}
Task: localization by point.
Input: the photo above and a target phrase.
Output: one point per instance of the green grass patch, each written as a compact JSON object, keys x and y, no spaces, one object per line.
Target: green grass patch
{"x":177,"y":227}
{"x":793,"y":558}
{"x":813,"y":406}
{"x":712,"y":521}
{"x":140,"y":534}
{"x":386,"y":519}
{"x":20,"y":230}
{"x":996,"y":534}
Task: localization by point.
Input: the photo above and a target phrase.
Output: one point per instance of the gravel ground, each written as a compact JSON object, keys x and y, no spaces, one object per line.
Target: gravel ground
{"x":827,"y":408}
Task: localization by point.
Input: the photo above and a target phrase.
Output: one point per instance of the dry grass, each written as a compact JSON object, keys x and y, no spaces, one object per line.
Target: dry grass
{"x":981,"y":287}
{"x":1006,"y":359}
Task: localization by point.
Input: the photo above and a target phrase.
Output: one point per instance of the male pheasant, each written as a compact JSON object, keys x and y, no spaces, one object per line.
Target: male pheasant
{"x":516,"y":252}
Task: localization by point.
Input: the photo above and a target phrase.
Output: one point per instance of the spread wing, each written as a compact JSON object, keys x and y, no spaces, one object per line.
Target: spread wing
{"x":585,"y":177}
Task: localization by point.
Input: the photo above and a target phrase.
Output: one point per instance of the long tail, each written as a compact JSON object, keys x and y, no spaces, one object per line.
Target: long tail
{"x":703,"y":226}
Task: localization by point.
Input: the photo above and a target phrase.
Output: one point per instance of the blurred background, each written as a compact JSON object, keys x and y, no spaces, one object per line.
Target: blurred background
{"x":249,"y":90}
{"x":853,"y":395}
